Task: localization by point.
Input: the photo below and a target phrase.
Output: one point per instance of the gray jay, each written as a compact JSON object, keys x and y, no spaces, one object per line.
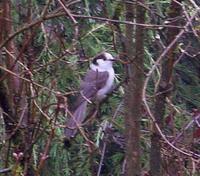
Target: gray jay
{"x":97,"y":82}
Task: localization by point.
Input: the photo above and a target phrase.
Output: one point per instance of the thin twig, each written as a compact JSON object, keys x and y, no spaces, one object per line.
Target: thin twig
{"x":185,"y":128}
{"x":144,"y":95}
{"x":149,"y":26}
{"x":29,"y":81}
{"x":51,"y":16}
{"x":194,"y":4}
{"x":105,"y":142}
{"x":68,"y":12}
{"x":5,"y":170}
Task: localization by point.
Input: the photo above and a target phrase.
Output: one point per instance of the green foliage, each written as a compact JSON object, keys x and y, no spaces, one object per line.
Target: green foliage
{"x":60,"y":61}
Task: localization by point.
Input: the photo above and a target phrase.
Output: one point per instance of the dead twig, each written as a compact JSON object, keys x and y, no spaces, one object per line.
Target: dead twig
{"x":144,"y":95}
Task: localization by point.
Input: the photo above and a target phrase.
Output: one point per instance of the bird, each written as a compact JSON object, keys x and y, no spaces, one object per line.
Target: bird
{"x":96,"y":84}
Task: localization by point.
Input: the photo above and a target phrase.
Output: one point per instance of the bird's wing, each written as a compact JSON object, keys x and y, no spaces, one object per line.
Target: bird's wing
{"x":95,"y":79}
{"x":92,"y":82}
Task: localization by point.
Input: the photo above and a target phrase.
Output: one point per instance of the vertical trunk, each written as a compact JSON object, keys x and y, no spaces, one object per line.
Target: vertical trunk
{"x":9,"y":93}
{"x":27,"y":55}
{"x":4,"y":100}
{"x":13,"y":100}
{"x":133,"y":94}
{"x":163,"y":91}
{"x":13,"y":82}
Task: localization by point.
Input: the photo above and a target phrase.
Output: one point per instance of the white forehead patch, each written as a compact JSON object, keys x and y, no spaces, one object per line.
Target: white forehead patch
{"x":108,"y":56}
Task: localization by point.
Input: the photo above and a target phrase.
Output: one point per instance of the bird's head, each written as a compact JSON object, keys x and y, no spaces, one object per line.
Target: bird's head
{"x":103,"y":61}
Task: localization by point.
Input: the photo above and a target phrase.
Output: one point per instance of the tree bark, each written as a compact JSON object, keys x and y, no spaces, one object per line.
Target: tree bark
{"x":13,"y":95}
{"x":133,"y":90}
{"x":163,"y":91}
{"x":7,"y":93}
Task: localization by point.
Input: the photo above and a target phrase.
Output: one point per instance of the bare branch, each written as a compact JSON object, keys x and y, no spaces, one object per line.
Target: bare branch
{"x":185,"y":152}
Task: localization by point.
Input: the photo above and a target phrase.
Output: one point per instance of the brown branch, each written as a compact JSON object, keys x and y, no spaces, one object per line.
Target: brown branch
{"x":51,"y":16}
{"x":186,"y":127}
{"x":149,"y":26}
{"x":68,"y":12}
{"x":144,"y":95}
{"x":31,"y":81}
{"x":44,"y":155}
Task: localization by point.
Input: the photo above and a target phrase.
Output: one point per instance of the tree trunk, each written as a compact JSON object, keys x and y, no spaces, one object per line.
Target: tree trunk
{"x":163,"y":91}
{"x":133,"y":90}
{"x":13,"y":96}
{"x":4,"y":98}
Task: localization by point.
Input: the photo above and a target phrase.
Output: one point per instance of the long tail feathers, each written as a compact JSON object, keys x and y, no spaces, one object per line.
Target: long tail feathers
{"x":76,"y":120}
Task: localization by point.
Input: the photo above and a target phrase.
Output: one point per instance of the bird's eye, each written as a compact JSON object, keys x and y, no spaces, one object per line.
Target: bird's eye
{"x":104,"y":58}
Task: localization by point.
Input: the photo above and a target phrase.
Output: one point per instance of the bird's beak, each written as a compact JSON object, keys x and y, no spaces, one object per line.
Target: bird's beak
{"x":113,"y":60}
